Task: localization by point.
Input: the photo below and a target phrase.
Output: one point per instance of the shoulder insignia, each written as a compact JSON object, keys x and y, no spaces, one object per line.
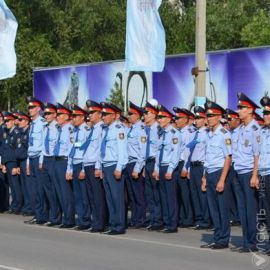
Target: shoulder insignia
{"x":223,"y":130}
{"x":18,"y":140}
{"x":175,"y":140}
{"x":118,"y":126}
{"x":143,"y":139}
{"x":87,"y":128}
{"x":142,"y":126}
{"x":121,"y":136}
{"x":5,"y":135}
{"x":254,"y":127}
{"x":16,"y":131}
{"x":228,"y":141}
{"x":173,"y":131}
{"x":70,"y":130}
{"x":43,"y":120}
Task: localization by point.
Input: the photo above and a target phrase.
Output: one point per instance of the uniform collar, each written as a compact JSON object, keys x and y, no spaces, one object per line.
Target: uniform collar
{"x":37,"y":119}
{"x":98,"y":124}
{"x":249,"y":126}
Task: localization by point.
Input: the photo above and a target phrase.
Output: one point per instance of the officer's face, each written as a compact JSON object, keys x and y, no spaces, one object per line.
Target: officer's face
{"x":49,"y":117}
{"x":62,"y":118}
{"x":77,"y":120}
{"x":133,"y":117}
{"x":22,"y":123}
{"x":108,"y":118}
{"x":9,"y":123}
{"x":163,"y":121}
{"x":266,"y":118}
{"x":233,"y":123}
{"x":199,"y":122}
{"x":1,"y":120}
{"x":95,"y":117}
{"x":244,"y":112}
{"x":181,"y":121}
{"x":33,"y":111}
{"x":213,"y":120}
{"x":149,"y":117}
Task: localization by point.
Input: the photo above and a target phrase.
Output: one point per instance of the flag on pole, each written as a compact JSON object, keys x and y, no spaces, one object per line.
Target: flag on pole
{"x":145,"y":36}
{"x":8,"y":30}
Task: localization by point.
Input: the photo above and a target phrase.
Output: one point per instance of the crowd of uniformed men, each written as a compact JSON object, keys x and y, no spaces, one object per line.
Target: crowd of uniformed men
{"x":84,"y":168}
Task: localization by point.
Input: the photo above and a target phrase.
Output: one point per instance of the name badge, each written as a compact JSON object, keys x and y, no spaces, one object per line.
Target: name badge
{"x":77,"y":144}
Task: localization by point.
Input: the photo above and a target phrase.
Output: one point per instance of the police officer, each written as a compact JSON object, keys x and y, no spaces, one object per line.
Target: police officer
{"x":264,"y":164}
{"x":166,"y":172}
{"x":24,"y":126}
{"x":4,"y":189}
{"x":35,"y":159}
{"x":259,"y":119}
{"x":152,"y":191}
{"x":81,"y":132}
{"x":136,"y":139}
{"x":47,"y":170}
{"x":197,"y":158}
{"x":186,"y":135}
{"x":246,"y":167}
{"x":63,"y":175}
{"x":9,"y":161}
{"x":217,"y":165}
{"x":114,"y":158}
{"x":92,"y":167}
{"x":234,"y":124}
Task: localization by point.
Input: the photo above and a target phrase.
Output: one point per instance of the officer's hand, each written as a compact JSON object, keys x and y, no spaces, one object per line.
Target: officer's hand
{"x":82,"y":175}
{"x":254,"y":182}
{"x":68,"y":176}
{"x":220,"y":186}
{"x":14,"y":171}
{"x":135,"y":175}
{"x":117,"y":175}
{"x":1,"y":166}
{"x":168,"y":176}
{"x":27,"y":170}
{"x":40,"y":166}
{"x":155,"y":175}
{"x":203,"y":185}
{"x":184,"y":173}
{"x":188,"y":176}
{"x":4,"y":169}
{"x":143,"y":173}
{"x":18,"y":171}
{"x":98,"y":173}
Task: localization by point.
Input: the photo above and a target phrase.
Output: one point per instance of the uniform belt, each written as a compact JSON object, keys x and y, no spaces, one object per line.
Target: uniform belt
{"x":132,"y":159}
{"x":61,"y":158}
{"x":181,"y":162}
{"x":49,"y":157}
{"x":196,"y":163}
{"x":33,"y":157}
{"x":150,"y":159}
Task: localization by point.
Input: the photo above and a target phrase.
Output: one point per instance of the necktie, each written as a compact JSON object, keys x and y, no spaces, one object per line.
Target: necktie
{"x":31,"y":139}
{"x":192,"y":145}
{"x":87,"y":142}
{"x":73,"y":150}
{"x":47,"y":145}
{"x":163,"y":134}
{"x":130,"y":130}
{"x":57,"y":147}
{"x":147,"y":131}
{"x":104,"y":142}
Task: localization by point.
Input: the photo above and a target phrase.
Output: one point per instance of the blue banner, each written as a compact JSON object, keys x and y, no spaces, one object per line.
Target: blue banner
{"x":8,"y":30}
{"x":145,"y":36}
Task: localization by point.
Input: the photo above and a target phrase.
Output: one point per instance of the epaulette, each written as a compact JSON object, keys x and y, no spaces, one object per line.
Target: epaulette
{"x":190,"y":130}
{"x":118,"y":126}
{"x":87,"y":128}
{"x":142,"y":126}
{"x":43,"y":120}
{"x":173,"y":131}
{"x":254,"y":127}
{"x":223,"y":130}
{"x":207,"y":129}
{"x":70,"y":130}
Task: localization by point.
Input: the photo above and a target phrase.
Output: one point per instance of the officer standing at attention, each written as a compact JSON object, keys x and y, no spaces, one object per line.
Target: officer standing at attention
{"x":246,"y":166}
{"x":9,"y":161}
{"x":114,"y":158}
{"x":166,"y":172}
{"x":234,"y":124}
{"x":81,"y":132}
{"x":63,"y":176}
{"x":264,"y":163}
{"x":23,"y":124}
{"x":136,"y":138}
{"x":217,"y":165}
{"x":186,"y":134}
{"x":152,"y":191}
{"x":35,"y":160}
{"x":197,"y":158}
{"x":92,"y":167}
{"x":50,"y":138}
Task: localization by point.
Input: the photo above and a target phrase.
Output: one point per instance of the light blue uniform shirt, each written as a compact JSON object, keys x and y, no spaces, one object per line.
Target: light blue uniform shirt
{"x":200,"y":146}
{"x":247,"y":147}
{"x":153,"y":139}
{"x":36,"y":138}
{"x":264,"y":148}
{"x":169,"y":142}
{"x":234,"y":135}
{"x":93,"y":143}
{"x":136,"y":139}
{"x":116,"y":151}
{"x":218,"y":147}
{"x":50,"y":138}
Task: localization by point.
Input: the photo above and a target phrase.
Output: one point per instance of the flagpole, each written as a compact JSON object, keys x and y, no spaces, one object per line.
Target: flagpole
{"x":200,"y":70}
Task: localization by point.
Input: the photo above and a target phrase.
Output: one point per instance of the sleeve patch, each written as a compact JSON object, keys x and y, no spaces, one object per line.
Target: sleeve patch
{"x":254,"y":127}
{"x":175,"y":140}
{"x":223,"y":130}
{"x":143,"y":139}
{"x":121,"y":136}
{"x":228,"y":141}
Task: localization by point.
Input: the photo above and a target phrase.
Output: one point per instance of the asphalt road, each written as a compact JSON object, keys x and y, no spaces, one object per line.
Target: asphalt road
{"x":33,"y":247}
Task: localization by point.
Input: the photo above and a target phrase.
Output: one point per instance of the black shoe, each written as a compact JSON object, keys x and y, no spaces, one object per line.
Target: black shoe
{"x":28,"y":214}
{"x":169,"y":230}
{"x":207,"y":245}
{"x":247,"y":250}
{"x":235,"y":249}
{"x":92,"y":230}
{"x":81,"y":227}
{"x":219,"y":246}
{"x":267,"y":252}
{"x":51,"y":224}
{"x":155,"y":228}
{"x":66,"y":226}
{"x":199,"y":227}
{"x":114,"y":232}
{"x":9,"y":212}
{"x":17,"y":213}
{"x":186,"y":226}
{"x":235,"y":223}
{"x":39,"y":222}
{"x":139,"y":226}
{"x":31,"y":221}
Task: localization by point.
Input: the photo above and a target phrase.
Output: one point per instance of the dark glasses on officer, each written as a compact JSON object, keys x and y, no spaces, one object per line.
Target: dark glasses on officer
{"x":266,"y":113}
{"x":47,"y":113}
{"x":92,"y":112}
{"x":106,"y":113}
{"x":240,"y":107}
{"x":146,"y":112}
{"x":7,"y":120}
{"x":209,"y":115}
{"x":31,"y":107}
{"x":161,"y":116}
{"x":20,"y":119}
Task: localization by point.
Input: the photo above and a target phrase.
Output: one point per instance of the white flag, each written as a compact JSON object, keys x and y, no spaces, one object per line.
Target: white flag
{"x":145,"y":36}
{"x":8,"y":30}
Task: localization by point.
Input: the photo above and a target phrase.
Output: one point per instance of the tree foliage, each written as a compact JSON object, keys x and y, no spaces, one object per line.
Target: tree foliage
{"x":59,"y":32}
